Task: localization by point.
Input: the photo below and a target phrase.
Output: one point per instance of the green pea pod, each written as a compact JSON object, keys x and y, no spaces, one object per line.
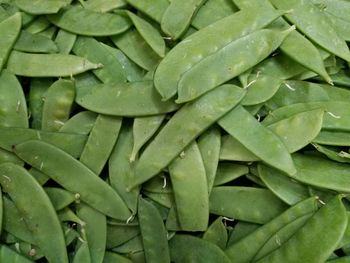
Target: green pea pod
{"x":181,"y":130}
{"x":40,"y":7}
{"x":65,"y":41}
{"x":80,"y":123}
{"x":335,"y":138}
{"x":154,"y":9}
{"x":274,"y":152}
{"x":9,"y":255}
{"x":216,"y":233}
{"x":41,"y":219}
{"x":153,"y":233}
{"x":82,"y":253}
{"x":240,"y":231}
{"x":330,"y":220}
{"x":47,"y":65}
{"x":39,"y":24}
{"x":95,"y":24}
{"x":10,"y":29}
{"x":34,"y":43}
{"x":228,"y":171}
{"x":232,"y":150}
{"x":59,"y":197}
{"x":104,"y":6}
{"x":203,"y":44}
{"x":70,"y":173}
{"x":117,"y":235}
{"x":111,"y":257}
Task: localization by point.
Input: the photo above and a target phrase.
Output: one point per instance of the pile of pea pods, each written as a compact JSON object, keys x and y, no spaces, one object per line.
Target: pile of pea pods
{"x":202,"y":131}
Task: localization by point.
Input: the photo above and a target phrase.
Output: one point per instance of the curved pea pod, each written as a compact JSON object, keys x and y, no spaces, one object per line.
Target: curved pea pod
{"x":13,"y":106}
{"x":241,"y":230}
{"x":241,"y":125}
{"x":209,"y":144}
{"x":149,"y":33}
{"x":216,"y":233}
{"x":65,"y":41}
{"x":41,"y":218}
{"x":40,"y":7}
{"x":67,"y":215}
{"x":82,"y":253}
{"x":143,"y":129}
{"x":7,"y":156}
{"x":121,"y":170}
{"x":245,"y":203}
{"x":73,"y":176}
{"x":232,"y":150}
{"x":154,"y":9}
{"x":39,"y":176}
{"x":287,"y":189}
{"x":125,"y":99}
{"x":340,"y":25}
{"x":47,"y":65}
{"x":10,"y":29}
{"x":95,"y":24}
{"x":104,"y":6}
{"x":154,"y":235}
{"x":260,"y":89}
{"x":100,"y":143}
{"x":180,"y":130}
{"x":95,"y":51}
{"x":111,"y":257}
{"x":34,"y":43}
{"x":316,"y":26}
{"x":95,"y":230}
{"x":135,"y":47}
{"x":57,"y":106}
{"x":341,"y":157}
{"x":335,"y":138}
{"x":117,"y":235}
{"x":59,"y":197}
{"x":298,"y":130}
{"x":226,"y":64}
{"x":186,"y":248}
{"x":178,"y":15}
{"x":227,"y":172}
{"x":246,"y":248}
{"x":189,"y":183}
{"x":344,"y":259}
{"x":308,"y":241}
{"x":9,"y":255}
{"x":80,"y":123}
{"x":203,"y":44}
{"x":164,"y":199}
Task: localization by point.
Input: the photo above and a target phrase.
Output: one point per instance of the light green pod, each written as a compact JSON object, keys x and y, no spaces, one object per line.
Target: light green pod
{"x":95,"y":24}
{"x":335,"y":138}
{"x":39,"y":24}
{"x":154,"y":9}
{"x":9,"y":255}
{"x":40,"y":7}
{"x":10,"y":29}
{"x":232,"y":150}
{"x":65,"y":41}
{"x":178,"y":16}
{"x":80,"y":123}
{"x":104,"y":6}
{"x":181,"y":130}
{"x":70,"y":173}
{"x":57,"y":106}
{"x":34,"y":43}
{"x":7,"y":156}
{"x":59,"y":197}
{"x":41,"y":218}
{"x":82,"y":253}
{"x":216,"y":233}
{"x":229,"y":171}
{"x":47,"y":65}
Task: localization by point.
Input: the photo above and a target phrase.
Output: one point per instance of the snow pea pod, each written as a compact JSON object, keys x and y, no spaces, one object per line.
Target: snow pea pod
{"x":232,"y":150}
{"x":117,"y":235}
{"x":335,"y":138}
{"x":228,"y":62}
{"x":228,"y":171}
{"x":330,"y":220}
{"x":65,"y":41}
{"x":203,"y":44}
{"x":216,"y":233}
{"x":40,"y":7}
{"x":10,"y":29}
{"x":80,"y":123}
{"x":125,"y":99}
{"x":104,"y":6}
{"x":9,"y":255}
{"x":181,"y":130}
{"x":95,"y":24}
{"x":41,"y":218}
{"x":178,"y":15}
{"x":154,"y":9}
{"x":47,"y":65}
{"x":70,"y":173}
{"x":39,"y":24}
{"x":257,"y":139}
{"x":34,"y":43}
{"x":59,"y":197}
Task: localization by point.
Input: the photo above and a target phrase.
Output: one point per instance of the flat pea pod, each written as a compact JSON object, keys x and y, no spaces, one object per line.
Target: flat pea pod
{"x":39,"y":176}
{"x":228,"y":171}
{"x":80,"y":123}
{"x":34,"y":43}
{"x":65,"y":41}
{"x":232,"y":150}
{"x":209,"y":144}
{"x":9,"y":255}
{"x":143,"y":129}
{"x":88,"y":47}
{"x":68,"y":142}
{"x":178,"y":15}
{"x":10,"y":29}
{"x":82,"y":253}
{"x":104,"y":6}
{"x":95,"y":229}
{"x":100,"y":143}
{"x":117,"y":235}
{"x":47,"y":65}
{"x":200,"y":45}
{"x":216,"y":233}
{"x":154,"y":9}
{"x":7,"y":156}
{"x":154,"y":236}
{"x":240,"y":231}
{"x":344,"y":259}
{"x":40,"y":7}
{"x":335,"y":138}
{"x":225,"y":64}
{"x":41,"y":218}
{"x":13,"y":106}
{"x":111,"y":257}
{"x":341,"y":157}
{"x":57,"y":106}
{"x":287,"y":189}
{"x":95,"y":24}
{"x":39,"y":24}
{"x":273,"y":152}
{"x":190,"y":191}
{"x":125,"y":99}
{"x":330,"y":220}
{"x":181,"y":130}
{"x":186,"y":248}
{"x":59,"y":197}
{"x":317,"y":26}
{"x":149,"y":33}
{"x":69,"y":172}
{"x":245,"y":203}
{"x":246,"y":248}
